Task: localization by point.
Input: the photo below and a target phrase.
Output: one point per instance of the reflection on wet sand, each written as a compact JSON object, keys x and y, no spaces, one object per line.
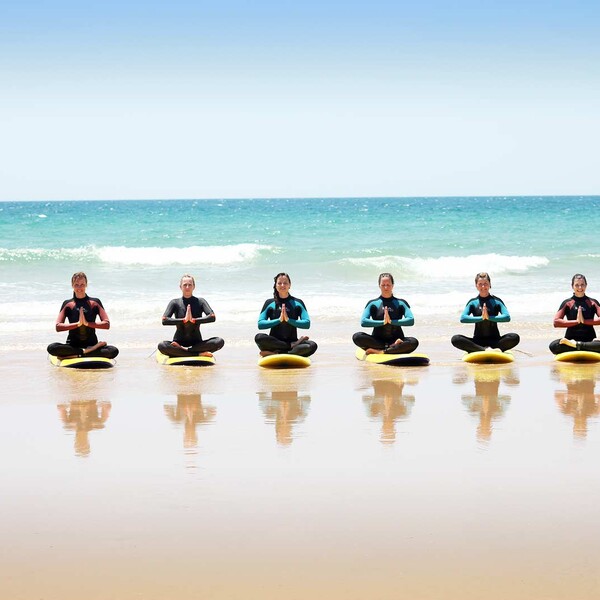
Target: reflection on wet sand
{"x":190,"y":412}
{"x":579,"y":400}
{"x":388,"y":404}
{"x":285,"y":409}
{"x":77,"y":413}
{"x":83,"y":416}
{"x":487,"y":403}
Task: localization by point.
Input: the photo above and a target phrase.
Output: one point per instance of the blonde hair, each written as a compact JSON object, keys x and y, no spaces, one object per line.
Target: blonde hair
{"x":187,"y":276}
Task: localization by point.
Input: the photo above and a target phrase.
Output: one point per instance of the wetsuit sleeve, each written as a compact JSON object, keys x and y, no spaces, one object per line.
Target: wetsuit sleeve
{"x":208,"y":311}
{"x":167,"y":318}
{"x":264,"y":322}
{"x":366,"y":320}
{"x":596,"y":308}
{"x":98,"y":308}
{"x":408,"y":318}
{"x":467,"y":317}
{"x":503,"y":316}
{"x":559,"y":317}
{"x":304,"y":321}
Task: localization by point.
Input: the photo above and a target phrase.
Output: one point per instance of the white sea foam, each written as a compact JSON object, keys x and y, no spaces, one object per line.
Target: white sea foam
{"x":214,"y":255}
{"x":451,"y":267}
{"x":152,"y":256}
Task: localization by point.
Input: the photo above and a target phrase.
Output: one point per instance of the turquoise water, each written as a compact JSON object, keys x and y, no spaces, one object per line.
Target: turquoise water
{"x":135,"y":251}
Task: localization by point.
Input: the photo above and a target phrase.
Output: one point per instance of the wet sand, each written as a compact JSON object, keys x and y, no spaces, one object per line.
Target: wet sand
{"x":341,"y":481}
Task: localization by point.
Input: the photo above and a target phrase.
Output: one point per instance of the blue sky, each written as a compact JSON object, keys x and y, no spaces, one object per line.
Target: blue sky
{"x":286,"y":99}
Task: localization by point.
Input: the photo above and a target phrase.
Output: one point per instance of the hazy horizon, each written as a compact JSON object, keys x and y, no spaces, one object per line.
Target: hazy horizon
{"x":391,"y":99}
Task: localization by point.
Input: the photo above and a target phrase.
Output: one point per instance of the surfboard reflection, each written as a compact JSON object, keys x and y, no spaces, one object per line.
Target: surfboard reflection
{"x":487,"y":403}
{"x":389,"y":405}
{"x":285,"y":409}
{"x":191,"y":414}
{"x":579,"y":401}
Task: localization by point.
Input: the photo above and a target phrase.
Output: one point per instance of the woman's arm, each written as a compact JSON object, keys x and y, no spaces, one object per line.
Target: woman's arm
{"x":366,"y":320}
{"x":560,"y":319}
{"x":504,"y":316}
{"x":408,"y":319}
{"x":303,"y":322}
{"x":264,"y":321}
{"x":467,"y":317}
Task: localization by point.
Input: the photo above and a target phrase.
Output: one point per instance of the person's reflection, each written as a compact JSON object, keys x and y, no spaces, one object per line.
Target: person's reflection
{"x":487,"y":403}
{"x":578,"y":400}
{"x":388,"y":404}
{"x":190,"y":411}
{"x":284,"y":408}
{"x":83,"y":416}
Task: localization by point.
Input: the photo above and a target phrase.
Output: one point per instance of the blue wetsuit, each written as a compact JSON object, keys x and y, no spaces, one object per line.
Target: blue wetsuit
{"x":284,"y":334}
{"x":384,"y":336}
{"x":486,"y":333}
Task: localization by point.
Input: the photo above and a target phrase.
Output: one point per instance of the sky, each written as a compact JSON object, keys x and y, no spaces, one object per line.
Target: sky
{"x":236,"y":99}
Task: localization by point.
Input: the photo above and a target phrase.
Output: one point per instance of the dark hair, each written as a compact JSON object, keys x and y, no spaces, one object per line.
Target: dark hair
{"x":578,"y":276}
{"x":483,"y":275}
{"x":382,"y":275}
{"x":275,"y":292}
{"x":79,"y":275}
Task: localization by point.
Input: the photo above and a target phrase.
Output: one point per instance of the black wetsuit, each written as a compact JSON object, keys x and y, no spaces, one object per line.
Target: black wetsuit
{"x":486,"y":333}
{"x":583,"y":334}
{"x":82,"y":337}
{"x":284,"y":334}
{"x":384,"y":336}
{"x":187,"y":335}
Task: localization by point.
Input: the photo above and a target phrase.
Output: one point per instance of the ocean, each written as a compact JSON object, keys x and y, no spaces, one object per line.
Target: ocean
{"x":134,"y":253}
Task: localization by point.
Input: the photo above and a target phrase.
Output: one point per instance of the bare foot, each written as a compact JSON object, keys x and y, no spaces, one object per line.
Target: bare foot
{"x":209,"y":354}
{"x":373,"y":351}
{"x":395,"y":345}
{"x":94,"y":347}
{"x":302,"y":339}
{"x":266,"y":353}
{"x":567,"y":342}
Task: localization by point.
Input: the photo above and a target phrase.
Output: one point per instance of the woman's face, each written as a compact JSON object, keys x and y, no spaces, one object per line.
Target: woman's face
{"x":386,"y":286}
{"x":579,"y":287}
{"x":282,"y":285}
{"x":79,"y":287}
{"x":187,"y":287}
{"x":483,"y":287}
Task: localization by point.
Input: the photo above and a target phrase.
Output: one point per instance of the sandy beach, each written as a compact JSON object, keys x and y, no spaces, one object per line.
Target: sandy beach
{"x":344,"y":480}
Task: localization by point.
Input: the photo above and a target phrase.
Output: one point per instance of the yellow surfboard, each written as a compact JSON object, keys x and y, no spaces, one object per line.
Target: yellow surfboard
{"x":83,"y":362}
{"x":185,"y":361}
{"x":578,"y":356}
{"x":396,"y":360}
{"x":489,"y":357}
{"x":283,"y":361}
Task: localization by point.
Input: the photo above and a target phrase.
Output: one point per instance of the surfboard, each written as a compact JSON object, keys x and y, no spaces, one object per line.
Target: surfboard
{"x":185,"y":361}
{"x":396,"y":360}
{"x":283,"y":361}
{"x":489,"y":357}
{"x":578,"y":356}
{"x":83,"y":362}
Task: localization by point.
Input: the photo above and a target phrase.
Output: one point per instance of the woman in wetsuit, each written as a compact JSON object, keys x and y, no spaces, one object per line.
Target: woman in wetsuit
{"x":387,"y":315}
{"x":284,"y":315}
{"x":78,"y":316}
{"x":186,"y":314}
{"x":486,"y":311}
{"x":578,"y":314}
